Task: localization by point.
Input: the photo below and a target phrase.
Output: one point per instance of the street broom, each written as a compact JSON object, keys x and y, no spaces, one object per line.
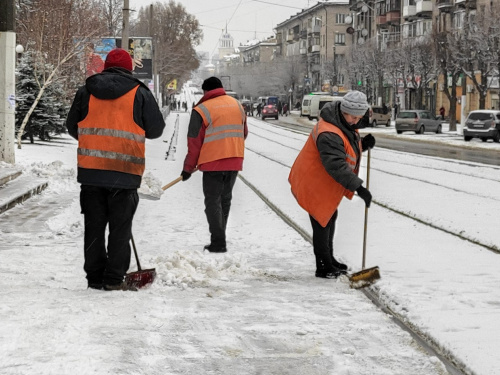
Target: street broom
{"x":367,"y":276}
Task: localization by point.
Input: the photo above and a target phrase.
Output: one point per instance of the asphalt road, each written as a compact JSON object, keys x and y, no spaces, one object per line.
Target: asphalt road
{"x":442,"y":150}
{"x":422,"y":147}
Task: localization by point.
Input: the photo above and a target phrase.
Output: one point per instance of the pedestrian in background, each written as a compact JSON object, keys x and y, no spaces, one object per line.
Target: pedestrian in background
{"x":326,"y":170}
{"x":216,"y":143}
{"x":442,"y":112}
{"x":285,"y":109}
{"x":111,"y":117}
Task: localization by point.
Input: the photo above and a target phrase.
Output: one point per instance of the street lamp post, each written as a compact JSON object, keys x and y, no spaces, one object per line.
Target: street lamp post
{"x":19,"y":51}
{"x":290,"y":92}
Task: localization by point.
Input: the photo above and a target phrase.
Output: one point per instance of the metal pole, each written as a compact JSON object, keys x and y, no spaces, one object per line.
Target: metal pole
{"x":125,"y":29}
{"x":7,"y":80}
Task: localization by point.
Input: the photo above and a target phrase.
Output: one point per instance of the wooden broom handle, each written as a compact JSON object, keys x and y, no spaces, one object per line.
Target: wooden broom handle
{"x":172,"y":183}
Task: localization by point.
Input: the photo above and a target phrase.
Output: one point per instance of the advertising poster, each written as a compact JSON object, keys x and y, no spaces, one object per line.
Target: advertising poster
{"x":140,"y":49}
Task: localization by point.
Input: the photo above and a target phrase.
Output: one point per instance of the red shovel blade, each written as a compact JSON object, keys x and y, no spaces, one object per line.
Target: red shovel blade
{"x":141,"y":279}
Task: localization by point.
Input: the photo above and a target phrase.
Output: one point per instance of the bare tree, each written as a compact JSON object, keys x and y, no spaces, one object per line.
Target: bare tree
{"x":111,"y":11}
{"x":56,"y":31}
{"x":444,"y":46}
{"x":476,"y":54}
{"x":176,"y":34}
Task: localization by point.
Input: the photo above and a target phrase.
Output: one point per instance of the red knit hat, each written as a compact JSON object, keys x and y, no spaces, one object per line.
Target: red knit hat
{"x":118,"y":57}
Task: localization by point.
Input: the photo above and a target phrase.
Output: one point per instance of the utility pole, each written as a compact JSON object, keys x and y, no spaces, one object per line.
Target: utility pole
{"x":125,"y":28}
{"x":155,"y":61}
{"x":7,"y":80}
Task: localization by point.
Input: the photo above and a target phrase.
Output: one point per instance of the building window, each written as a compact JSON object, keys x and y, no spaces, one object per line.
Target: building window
{"x":458,"y":20}
{"x":340,"y":18}
{"x":339,"y":38}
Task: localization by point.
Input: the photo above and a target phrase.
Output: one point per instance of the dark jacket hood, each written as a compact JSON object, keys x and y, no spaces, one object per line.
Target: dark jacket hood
{"x":111,"y":83}
{"x":331,"y":113}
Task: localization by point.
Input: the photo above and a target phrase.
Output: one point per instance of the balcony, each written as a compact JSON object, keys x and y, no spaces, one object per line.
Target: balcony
{"x":409,"y":11}
{"x":290,"y":38}
{"x":303,"y":51}
{"x":462,"y":3}
{"x":444,"y":4}
{"x":314,"y":49}
{"x":381,"y":20}
{"x":393,"y":17}
{"x":424,"y":7}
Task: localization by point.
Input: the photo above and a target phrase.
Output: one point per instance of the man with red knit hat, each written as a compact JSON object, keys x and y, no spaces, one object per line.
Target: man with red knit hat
{"x":111,"y":117}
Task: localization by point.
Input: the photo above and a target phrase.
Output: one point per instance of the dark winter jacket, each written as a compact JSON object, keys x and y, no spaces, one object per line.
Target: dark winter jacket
{"x":112,"y":83}
{"x":331,"y":147}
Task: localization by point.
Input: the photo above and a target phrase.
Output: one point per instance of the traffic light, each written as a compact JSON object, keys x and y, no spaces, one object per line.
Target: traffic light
{"x":360,"y":82}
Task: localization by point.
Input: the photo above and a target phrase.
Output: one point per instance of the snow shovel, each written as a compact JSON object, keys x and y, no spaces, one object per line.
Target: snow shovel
{"x":154,"y":196}
{"x":140,"y":278}
{"x":367,"y":276}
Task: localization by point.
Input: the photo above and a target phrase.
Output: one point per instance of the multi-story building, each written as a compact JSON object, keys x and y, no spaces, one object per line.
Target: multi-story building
{"x":317,"y":38}
{"x":264,"y":51}
{"x":451,"y":16}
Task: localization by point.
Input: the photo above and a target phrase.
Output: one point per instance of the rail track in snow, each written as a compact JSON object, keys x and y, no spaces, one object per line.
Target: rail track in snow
{"x":390,"y":164}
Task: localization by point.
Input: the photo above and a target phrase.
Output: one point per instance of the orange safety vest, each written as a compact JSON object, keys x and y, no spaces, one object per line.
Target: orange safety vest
{"x":108,"y":137}
{"x":224,"y":119}
{"x":315,"y":190}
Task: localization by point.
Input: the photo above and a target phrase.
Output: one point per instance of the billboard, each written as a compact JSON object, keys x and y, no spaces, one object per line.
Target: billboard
{"x":140,"y":49}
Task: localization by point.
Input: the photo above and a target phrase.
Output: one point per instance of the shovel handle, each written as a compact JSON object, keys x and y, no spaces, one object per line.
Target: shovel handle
{"x":135,"y":253}
{"x":172,"y":183}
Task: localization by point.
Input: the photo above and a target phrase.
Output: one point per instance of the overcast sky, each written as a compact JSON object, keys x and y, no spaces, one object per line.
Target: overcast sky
{"x":246,"y":19}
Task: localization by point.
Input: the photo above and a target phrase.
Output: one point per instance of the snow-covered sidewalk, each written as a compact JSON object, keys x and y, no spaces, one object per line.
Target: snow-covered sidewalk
{"x":257,"y":309}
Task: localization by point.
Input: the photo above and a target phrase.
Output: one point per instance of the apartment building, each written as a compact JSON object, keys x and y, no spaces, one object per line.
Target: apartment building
{"x":317,"y":37}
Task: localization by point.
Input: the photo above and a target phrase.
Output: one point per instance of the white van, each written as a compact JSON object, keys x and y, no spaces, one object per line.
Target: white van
{"x":317,"y":102}
{"x":305,"y":109}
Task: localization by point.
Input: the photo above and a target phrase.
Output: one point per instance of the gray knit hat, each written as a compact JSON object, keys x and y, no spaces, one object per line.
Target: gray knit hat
{"x":354,"y":103}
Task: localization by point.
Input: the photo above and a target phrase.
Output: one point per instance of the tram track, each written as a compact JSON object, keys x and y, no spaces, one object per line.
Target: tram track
{"x":453,"y":365}
{"x":269,"y":135}
{"x":410,"y":215}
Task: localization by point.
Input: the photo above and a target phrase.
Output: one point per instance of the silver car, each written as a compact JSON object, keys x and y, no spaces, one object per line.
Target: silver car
{"x":484,"y":124}
{"x":418,"y":121}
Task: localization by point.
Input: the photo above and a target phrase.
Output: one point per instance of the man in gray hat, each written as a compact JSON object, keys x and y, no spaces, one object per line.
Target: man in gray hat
{"x":326,"y":170}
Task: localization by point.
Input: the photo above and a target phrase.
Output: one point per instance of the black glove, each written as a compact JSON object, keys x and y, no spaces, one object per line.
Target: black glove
{"x":365,"y":195}
{"x":367,"y":142}
{"x":185,"y":175}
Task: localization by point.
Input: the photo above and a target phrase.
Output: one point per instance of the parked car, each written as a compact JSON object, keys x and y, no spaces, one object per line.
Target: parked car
{"x":380,"y":115}
{"x":483,"y":124}
{"x":269,"y":111}
{"x":418,"y":121}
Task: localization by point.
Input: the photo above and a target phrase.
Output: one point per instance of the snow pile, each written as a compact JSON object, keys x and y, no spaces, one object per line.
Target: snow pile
{"x":191,"y":269}
{"x":150,"y":187}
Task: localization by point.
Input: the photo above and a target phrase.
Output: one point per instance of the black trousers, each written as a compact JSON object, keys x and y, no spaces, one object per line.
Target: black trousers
{"x":218,"y":191}
{"x":323,"y":243}
{"x":102,"y":207}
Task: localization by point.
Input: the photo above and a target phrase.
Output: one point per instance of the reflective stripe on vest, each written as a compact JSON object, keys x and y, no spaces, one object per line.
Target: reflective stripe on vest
{"x":108,"y":137}
{"x":224,"y":119}
{"x":315,"y":190}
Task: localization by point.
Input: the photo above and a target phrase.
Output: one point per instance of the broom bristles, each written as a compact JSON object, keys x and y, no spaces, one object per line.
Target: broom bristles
{"x":364,"y":278}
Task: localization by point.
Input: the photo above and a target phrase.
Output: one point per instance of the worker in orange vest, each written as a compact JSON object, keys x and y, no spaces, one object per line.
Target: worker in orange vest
{"x":216,"y":145}
{"x":111,"y":117}
{"x":326,"y":170}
